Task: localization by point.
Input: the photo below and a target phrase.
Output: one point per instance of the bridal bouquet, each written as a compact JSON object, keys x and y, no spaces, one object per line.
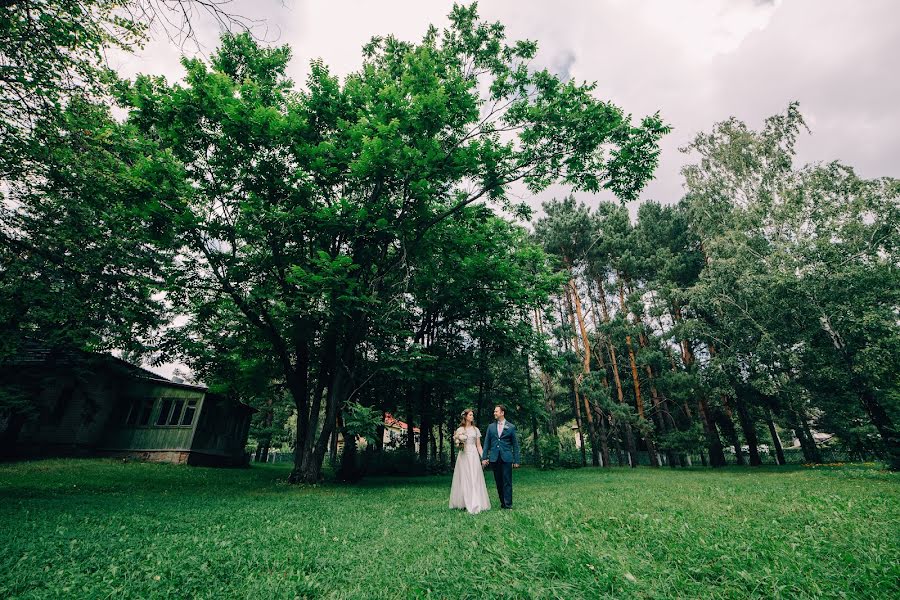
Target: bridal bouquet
{"x":460,"y":439}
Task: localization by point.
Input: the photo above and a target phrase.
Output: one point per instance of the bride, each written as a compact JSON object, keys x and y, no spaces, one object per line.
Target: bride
{"x":468,"y":490}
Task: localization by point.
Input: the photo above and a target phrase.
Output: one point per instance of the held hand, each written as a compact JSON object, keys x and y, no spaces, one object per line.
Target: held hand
{"x":515,"y":465}
{"x":484,"y":463}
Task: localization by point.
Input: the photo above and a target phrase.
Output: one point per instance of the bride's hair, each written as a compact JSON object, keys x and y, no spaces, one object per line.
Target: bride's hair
{"x":462,"y":417}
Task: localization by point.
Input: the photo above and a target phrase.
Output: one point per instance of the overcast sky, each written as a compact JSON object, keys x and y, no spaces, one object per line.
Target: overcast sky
{"x":696,"y":62}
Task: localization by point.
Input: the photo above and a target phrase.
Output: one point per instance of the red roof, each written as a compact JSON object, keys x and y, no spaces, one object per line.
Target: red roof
{"x":390,"y":421}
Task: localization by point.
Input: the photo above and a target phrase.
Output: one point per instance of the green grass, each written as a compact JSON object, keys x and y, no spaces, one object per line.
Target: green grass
{"x":103,"y":529}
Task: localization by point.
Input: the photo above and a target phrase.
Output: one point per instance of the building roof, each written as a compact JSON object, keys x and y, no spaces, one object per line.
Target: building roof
{"x":390,"y":421}
{"x":35,"y":354}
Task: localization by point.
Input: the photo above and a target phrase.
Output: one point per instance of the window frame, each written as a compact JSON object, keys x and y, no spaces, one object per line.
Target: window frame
{"x":153,"y":416}
{"x":166,"y":403}
{"x":174,"y":419}
{"x":192,"y":404}
{"x":144,"y":417}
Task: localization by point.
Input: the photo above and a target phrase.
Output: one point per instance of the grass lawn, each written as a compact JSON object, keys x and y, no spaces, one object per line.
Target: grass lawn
{"x":103,"y":529}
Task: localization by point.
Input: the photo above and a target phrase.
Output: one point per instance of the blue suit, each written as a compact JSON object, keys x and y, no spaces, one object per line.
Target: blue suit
{"x":502,"y":450}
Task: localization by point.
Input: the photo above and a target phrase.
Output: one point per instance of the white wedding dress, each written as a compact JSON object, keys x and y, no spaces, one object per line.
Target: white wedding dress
{"x":468,"y":490}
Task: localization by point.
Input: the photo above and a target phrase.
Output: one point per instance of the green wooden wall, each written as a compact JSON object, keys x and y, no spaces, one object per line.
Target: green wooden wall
{"x":124,"y":436}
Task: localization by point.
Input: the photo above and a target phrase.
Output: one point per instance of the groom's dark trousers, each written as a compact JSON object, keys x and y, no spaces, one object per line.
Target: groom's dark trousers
{"x":503,"y":479}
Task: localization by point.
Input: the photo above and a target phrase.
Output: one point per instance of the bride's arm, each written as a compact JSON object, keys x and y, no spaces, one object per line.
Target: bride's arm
{"x":478,"y":444}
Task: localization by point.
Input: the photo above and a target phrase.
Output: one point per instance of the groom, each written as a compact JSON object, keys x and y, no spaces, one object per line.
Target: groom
{"x":501,"y":449}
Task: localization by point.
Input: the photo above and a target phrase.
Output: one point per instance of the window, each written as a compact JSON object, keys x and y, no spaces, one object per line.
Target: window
{"x":176,"y":412}
{"x":163,"y":417}
{"x":146,"y":408}
{"x":132,"y":411}
{"x":188,"y":417}
{"x":135,"y":410}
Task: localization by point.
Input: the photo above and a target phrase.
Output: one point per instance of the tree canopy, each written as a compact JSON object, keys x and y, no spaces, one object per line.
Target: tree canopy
{"x":347,"y":248}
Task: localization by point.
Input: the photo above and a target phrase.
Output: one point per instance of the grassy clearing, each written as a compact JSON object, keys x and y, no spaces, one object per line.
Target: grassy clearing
{"x":101,"y":529}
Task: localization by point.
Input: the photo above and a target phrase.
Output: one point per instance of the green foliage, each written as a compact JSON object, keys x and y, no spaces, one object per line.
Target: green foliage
{"x":52,"y":51}
{"x":769,"y":292}
{"x":549,"y":447}
{"x":688,"y":441}
{"x":799,"y":290}
{"x":319,"y":221}
{"x":85,"y":240}
{"x":361,"y":421}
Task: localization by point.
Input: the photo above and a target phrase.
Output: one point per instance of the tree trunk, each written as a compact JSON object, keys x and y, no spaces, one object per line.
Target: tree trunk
{"x":575,"y":399}
{"x":586,"y":366}
{"x":450,"y":430}
{"x":620,"y":457}
{"x":604,"y":437}
{"x":629,"y":436}
{"x":308,"y":412}
{"x":534,"y":424}
{"x":713,"y":442}
{"x":265,"y":440}
{"x":578,"y":422}
{"x":716,"y":455}
{"x":333,"y":443}
{"x":748,"y":427}
{"x":651,"y":448}
{"x":546,"y":384}
{"x":776,"y":441}
{"x":336,"y":393}
{"x":659,"y":410}
{"x":726,"y":423}
{"x":379,"y":435}
{"x":800,"y":425}
{"x":441,"y":445}
{"x":349,"y":471}
{"x":341,"y":373}
{"x":424,"y":425}
{"x":410,"y":441}
{"x":431,"y":438}
{"x":885,"y":426}
{"x":482,"y":367}
{"x":600,"y":417}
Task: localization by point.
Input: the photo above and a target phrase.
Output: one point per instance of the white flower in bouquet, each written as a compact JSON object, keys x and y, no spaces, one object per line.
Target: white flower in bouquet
{"x":461,"y":438}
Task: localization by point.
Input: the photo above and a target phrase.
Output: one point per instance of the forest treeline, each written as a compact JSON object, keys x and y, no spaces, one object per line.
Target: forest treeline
{"x":352,"y":247}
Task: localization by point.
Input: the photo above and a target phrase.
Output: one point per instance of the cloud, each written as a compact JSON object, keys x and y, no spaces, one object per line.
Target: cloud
{"x":561,"y":65}
{"x":696,"y":63}
{"x":835,"y":58}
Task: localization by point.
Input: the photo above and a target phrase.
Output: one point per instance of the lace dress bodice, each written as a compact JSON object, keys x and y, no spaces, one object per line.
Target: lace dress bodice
{"x":472,"y":435}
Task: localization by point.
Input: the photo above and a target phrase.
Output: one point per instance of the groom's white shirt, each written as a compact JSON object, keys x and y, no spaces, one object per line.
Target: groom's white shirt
{"x":500,"y":425}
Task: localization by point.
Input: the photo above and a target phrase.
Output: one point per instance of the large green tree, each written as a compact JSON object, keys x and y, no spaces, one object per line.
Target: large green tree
{"x":304,"y":203}
{"x":797,"y":299}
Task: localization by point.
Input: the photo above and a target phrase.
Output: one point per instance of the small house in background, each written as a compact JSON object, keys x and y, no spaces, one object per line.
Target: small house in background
{"x":395,"y":432}
{"x":74,"y":403}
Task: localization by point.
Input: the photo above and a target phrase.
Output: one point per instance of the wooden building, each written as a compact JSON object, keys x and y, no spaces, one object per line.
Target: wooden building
{"x":82,"y":404}
{"x":395,"y":433}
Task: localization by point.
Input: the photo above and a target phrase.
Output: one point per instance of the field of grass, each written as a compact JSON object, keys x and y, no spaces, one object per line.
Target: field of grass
{"x":104,"y":529}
